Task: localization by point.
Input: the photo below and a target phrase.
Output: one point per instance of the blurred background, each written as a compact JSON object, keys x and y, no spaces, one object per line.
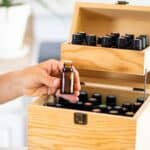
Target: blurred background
{"x":31,"y":33}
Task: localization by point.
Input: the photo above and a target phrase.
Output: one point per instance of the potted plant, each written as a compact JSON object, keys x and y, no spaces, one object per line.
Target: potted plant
{"x":13,"y":21}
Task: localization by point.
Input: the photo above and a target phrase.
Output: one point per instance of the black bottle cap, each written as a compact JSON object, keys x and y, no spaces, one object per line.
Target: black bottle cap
{"x":99,"y":40}
{"x":76,"y":38}
{"x":129,"y":40}
{"x":58,"y":105}
{"x":111,"y":100}
{"x":96,"y":110}
{"x":109,"y":108}
{"x":115,"y":34}
{"x":129,"y":106}
{"x":63,"y":101}
{"x":83,"y":37}
{"x":79,"y":105}
{"x":98,"y":96}
{"x":137,"y":105}
{"x":83,"y":96}
{"x":137,"y":44}
{"x":129,"y":114}
{"x":122,"y":42}
{"x":114,"y":112}
{"x":126,"y":105}
{"x":87,"y":106}
{"x":131,"y":36}
{"x":114,"y":39}
{"x":106,"y":41}
{"x":140,"y":100}
{"x":147,"y":39}
{"x":124,"y":110}
{"x":143,"y":41}
{"x":91,"y":39}
{"x":94,"y":101}
{"x":118,"y":108}
{"x":103,"y":108}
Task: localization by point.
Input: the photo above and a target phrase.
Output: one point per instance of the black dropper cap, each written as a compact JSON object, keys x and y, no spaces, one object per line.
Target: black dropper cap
{"x":129,"y":106}
{"x":106,"y":41}
{"x":118,"y":108}
{"x":87,"y":106}
{"x":122,"y":42}
{"x":63,"y":101}
{"x":98,"y":96}
{"x":114,"y":39}
{"x":137,"y":44}
{"x":114,"y":112}
{"x":103,"y":108}
{"x":94,"y":101}
{"x":83,"y":37}
{"x":91,"y":40}
{"x":129,"y":40}
{"x":58,"y":105}
{"x":76,"y":38}
{"x":96,"y":110}
{"x":79,"y":105}
{"x":137,"y":105}
{"x":142,"y":38}
{"x":83,"y":96}
{"x":123,"y":110}
{"x":140,"y":100}
{"x":99,"y":40}
{"x":129,"y":114}
{"x":131,"y":36}
{"x":111,"y":100}
{"x":146,"y":38}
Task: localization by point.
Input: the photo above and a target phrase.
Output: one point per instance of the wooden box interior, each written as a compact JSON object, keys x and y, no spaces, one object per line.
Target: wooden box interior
{"x":102,"y":19}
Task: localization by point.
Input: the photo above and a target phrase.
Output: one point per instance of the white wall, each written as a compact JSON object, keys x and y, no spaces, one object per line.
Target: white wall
{"x":50,"y":25}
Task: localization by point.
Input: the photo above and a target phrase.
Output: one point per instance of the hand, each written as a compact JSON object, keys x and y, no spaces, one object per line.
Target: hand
{"x":44,"y":79}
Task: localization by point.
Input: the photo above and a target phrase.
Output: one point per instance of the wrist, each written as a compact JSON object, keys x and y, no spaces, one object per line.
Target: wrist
{"x":17,"y":82}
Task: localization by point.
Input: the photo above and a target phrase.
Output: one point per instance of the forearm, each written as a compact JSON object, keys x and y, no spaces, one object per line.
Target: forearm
{"x":10,"y":87}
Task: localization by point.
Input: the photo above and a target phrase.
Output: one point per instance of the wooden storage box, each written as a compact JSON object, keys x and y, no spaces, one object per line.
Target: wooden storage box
{"x":101,"y":19}
{"x":121,"y":73}
{"x":55,"y":129}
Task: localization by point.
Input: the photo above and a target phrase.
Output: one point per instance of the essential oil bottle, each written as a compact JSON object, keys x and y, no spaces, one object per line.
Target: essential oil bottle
{"x":67,"y":79}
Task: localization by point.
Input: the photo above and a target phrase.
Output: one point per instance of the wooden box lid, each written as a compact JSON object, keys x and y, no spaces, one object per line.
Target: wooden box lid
{"x":101,"y":19}
{"x":109,"y":65}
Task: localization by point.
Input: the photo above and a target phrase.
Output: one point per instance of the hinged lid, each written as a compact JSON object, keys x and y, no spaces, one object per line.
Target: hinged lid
{"x":102,"y":19}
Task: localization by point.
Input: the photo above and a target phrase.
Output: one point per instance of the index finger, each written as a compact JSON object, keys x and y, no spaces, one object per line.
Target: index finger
{"x":77,"y":86}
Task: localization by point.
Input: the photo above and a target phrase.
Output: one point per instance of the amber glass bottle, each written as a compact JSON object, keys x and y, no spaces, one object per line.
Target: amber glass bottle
{"x":67,"y":79}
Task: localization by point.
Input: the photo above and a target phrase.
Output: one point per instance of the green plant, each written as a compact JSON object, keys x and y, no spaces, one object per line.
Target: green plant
{"x":5,"y":3}
{"x":8,"y":3}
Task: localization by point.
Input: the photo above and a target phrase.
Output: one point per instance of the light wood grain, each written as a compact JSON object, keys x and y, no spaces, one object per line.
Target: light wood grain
{"x":108,"y":71}
{"x":102,"y":19}
{"x":50,"y":128}
{"x":99,"y":19}
{"x":104,"y":59}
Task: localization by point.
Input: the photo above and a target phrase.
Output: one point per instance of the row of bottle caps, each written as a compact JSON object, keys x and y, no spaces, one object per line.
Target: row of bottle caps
{"x":112,"y":40}
{"x":94,"y":104}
